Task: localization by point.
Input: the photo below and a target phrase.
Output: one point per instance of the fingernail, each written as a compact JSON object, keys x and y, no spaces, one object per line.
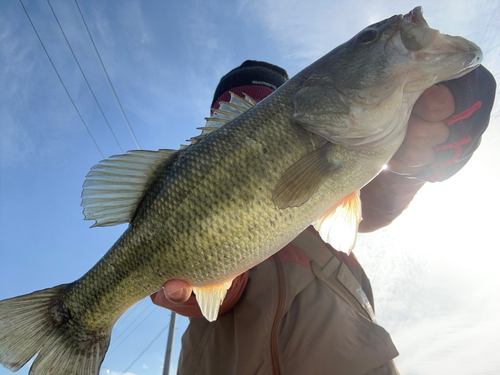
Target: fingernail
{"x":176,"y":294}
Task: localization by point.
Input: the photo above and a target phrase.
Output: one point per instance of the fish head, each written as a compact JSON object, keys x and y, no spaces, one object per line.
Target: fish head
{"x":427,"y":56}
{"x":361,"y":93}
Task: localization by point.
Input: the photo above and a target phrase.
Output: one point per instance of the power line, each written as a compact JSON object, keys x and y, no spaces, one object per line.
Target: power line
{"x":60,"y":79}
{"x":147,"y":348}
{"x":137,"y":326}
{"x":83,"y":74}
{"x":491,"y":49}
{"x":125,"y":318}
{"x":133,"y":321}
{"x":109,"y":80}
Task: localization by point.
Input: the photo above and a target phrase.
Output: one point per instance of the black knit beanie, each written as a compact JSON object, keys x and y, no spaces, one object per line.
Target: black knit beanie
{"x":251,"y":73}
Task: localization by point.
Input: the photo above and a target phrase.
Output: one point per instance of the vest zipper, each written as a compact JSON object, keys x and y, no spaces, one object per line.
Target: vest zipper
{"x":275,"y":360}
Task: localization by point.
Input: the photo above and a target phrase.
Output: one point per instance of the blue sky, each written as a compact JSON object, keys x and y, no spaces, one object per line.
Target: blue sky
{"x":434,"y":271}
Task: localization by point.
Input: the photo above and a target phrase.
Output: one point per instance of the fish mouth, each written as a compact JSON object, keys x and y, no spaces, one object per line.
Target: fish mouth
{"x":414,"y":38}
{"x":415,"y":16}
{"x":412,"y":34}
{"x":431,"y":54}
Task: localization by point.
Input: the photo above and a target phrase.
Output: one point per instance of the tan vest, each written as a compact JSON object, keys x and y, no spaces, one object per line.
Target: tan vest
{"x":291,"y":321}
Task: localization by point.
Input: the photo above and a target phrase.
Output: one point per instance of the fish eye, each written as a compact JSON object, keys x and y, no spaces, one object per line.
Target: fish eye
{"x":367,"y":36}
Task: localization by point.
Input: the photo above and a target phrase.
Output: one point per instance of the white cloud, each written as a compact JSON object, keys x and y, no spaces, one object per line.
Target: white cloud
{"x":307,"y":30}
{"x":434,"y":274}
{"x":438,"y":301}
{"x":35,"y":110}
{"x":105,"y":371}
{"x":15,"y":143}
{"x":459,"y":343}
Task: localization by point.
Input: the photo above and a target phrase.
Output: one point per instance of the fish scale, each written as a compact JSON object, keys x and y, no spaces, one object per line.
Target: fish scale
{"x":256,"y":177}
{"x":167,"y":226}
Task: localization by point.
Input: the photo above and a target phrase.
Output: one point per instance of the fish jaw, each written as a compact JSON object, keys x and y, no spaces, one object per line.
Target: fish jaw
{"x":446,"y":58}
{"x":432,"y":57}
{"x":376,"y":78}
{"x":425,"y":57}
{"x":419,"y":57}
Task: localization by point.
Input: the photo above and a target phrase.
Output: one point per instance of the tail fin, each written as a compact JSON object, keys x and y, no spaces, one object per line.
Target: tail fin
{"x":39,"y":323}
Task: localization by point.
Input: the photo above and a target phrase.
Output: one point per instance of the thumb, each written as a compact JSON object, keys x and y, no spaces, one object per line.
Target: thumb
{"x":177,"y":291}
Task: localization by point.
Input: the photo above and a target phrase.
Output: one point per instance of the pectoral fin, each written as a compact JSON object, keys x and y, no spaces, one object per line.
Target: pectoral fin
{"x":339,"y":225}
{"x":303,"y":178}
{"x":210,"y":298}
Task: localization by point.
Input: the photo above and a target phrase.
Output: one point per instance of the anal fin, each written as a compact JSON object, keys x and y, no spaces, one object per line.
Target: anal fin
{"x":339,"y":225}
{"x":210,"y":298}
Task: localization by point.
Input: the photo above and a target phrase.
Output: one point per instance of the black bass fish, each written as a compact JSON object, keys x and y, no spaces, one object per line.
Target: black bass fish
{"x":257,"y":176}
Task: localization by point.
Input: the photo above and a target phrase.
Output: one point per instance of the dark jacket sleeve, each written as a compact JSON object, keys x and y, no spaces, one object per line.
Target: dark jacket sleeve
{"x":474,"y":95}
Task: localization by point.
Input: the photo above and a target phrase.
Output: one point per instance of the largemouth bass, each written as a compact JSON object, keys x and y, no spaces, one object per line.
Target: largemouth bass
{"x":257,"y":176}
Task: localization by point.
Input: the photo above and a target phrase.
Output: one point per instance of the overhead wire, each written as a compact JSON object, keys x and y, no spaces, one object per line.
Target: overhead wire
{"x":130,"y":333}
{"x":83,"y":74}
{"x":109,"y":80}
{"x":125,"y":317}
{"x":90,"y":134}
{"x":60,"y":79}
{"x":128,"y":125}
{"x":133,"y":321}
{"x":491,"y":49}
{"x":147,"y":348}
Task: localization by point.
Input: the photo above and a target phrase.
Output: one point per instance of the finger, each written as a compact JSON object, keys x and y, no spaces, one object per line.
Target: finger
{"x":435,"y":104}
{"x":424,"y":134}
{"x":414,"y":157}
{"x":177,"y":291}
{"x":399,"y":167}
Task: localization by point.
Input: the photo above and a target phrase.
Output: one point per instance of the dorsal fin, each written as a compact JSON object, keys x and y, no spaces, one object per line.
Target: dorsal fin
{"x":339,"y":225}
{"x":226,"y":112}
{"x":114,"y":187}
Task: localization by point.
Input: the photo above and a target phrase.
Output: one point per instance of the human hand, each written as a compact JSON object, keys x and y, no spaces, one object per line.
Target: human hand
{"x":178,"y":296}
{"x":386,"y":196}
{"x":426,"y":130}
{"x":174,"y":291}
